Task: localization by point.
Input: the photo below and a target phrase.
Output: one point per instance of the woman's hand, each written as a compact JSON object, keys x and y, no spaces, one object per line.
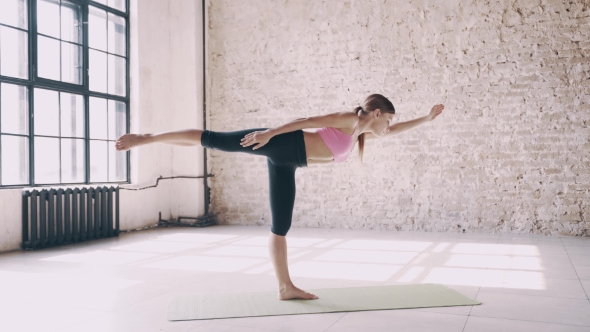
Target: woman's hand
{"x":435,"y":111}
{"x":260,"y":137}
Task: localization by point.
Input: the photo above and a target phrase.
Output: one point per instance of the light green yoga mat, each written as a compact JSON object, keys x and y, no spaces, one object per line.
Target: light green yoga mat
{"x":209,"y":306}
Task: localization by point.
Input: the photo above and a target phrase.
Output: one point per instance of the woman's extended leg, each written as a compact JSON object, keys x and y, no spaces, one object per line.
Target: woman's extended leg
{"x":184,"y":137}
{"x":224,"y":141}
{"x":284,"y":148}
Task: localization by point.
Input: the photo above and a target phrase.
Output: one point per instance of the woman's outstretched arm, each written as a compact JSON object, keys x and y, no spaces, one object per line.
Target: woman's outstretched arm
{"x":400,"y":127}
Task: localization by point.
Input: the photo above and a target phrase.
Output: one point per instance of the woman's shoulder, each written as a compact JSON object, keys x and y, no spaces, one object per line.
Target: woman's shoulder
{"x":338,"y":120}
{"x":352,"y":121}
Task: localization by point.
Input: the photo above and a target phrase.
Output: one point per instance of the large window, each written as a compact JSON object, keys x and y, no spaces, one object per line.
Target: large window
{"x":64,"y":91}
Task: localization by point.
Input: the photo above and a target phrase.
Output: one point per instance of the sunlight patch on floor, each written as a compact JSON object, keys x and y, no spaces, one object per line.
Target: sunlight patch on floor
{"x":102,"y":257}
{"x":206,"y":264}
{"x":346,"y":271}
{"x":495,"y":249}
{"x":385,"y":245}
{"x":163,"y":247}
{"x":251,"y":251}
{"x":367,"y":256}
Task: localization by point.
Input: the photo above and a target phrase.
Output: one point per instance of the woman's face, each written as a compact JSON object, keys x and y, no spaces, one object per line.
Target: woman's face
{"x":381,"y":122}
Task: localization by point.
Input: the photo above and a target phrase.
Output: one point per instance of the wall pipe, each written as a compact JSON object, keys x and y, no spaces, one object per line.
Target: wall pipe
{"x":206,"y":188}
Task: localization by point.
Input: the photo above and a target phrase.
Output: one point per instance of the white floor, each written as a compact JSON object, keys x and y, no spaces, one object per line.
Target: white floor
{"x":526,"y":283}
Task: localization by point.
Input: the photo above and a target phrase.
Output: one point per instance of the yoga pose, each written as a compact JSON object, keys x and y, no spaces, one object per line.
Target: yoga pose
{"x":288,"y":147}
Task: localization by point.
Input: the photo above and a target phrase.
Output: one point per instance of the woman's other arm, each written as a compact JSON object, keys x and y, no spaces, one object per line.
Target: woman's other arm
{"x":336,"y":120}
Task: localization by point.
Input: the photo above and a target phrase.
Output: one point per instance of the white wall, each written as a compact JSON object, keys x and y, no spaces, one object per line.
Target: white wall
{"x":166,"y":84}
{"x":508,"y":154}
{"x":166,"y":94}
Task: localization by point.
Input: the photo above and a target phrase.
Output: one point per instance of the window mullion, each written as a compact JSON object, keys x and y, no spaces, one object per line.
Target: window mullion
{"x":84,"y":27}
{"x":60,"y":50}
{"x":86,"y":92}
{"x":127,"y":88}
{"x":107,"y":53}
{"x":33,"y":38}
{"x":13,"y":27}
{"x":61,"y":86}
{"x":59,"y":125}
{"x":32,"y":78}
{"x":0,"y":134}
{"x":31,"y":134}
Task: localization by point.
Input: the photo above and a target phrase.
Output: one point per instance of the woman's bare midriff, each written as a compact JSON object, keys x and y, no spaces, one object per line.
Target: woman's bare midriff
{"x":316,"y":150}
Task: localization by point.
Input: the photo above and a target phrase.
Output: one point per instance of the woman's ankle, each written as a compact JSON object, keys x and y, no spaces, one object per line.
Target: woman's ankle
{"x":147,"y":139}
{"x":286,"y":286}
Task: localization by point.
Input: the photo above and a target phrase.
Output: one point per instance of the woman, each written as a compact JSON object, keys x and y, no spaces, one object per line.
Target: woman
{"x":288,"y":147}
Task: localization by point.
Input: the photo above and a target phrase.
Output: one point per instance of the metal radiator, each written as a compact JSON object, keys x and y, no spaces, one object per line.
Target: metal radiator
{"x":57,"y":217}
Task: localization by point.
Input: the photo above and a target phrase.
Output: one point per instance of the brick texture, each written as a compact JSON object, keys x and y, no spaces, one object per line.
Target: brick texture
{"x":509,"y":154}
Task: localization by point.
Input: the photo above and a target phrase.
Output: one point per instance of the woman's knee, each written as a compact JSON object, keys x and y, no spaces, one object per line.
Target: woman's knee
{"x":281,"y":231}
{"x":206,"y":137}
{"x":228,"y":141}
{"x":224,"y":141}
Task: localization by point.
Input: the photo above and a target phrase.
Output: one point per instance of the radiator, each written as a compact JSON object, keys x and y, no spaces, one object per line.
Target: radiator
{"x":58,"y":217}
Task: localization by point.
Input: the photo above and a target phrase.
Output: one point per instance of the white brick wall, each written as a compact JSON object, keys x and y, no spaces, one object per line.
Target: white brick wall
{"x":510,"y":153}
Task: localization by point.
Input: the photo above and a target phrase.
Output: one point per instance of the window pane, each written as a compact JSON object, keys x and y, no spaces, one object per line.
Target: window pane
{"x":15,"y":160}
{"x":98,"y":118}
{"x":48,"y":17}
{"x":14,"y":109}
{"x":71,"y":22}
{"x":117,"y":4}
{"x":72,"y":160}
{"x":14,"y":12}
{"x":72,"y":115}
{"x":98,"y":71}
{"x":117,"y":164}
{"x":48,"y":58}
{"x":46,"y":160}
{"x":98,"y":161}
{"x":71,"y":63}
{"x":117,"y":119}
{"x":117,"y":75}
{"x":116,"y":31}
{"x":14,"y":53}
{"x":46,"y":113}
{"x":97,"y":28}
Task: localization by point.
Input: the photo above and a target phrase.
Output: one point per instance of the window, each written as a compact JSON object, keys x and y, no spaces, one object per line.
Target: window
{"x":64,"y":91}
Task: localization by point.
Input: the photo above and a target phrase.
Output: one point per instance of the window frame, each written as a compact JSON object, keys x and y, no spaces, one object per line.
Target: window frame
{"x":34,"y":81}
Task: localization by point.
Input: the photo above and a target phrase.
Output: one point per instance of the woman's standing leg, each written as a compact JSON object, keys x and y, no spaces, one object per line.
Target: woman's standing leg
{"x":282,"y":199}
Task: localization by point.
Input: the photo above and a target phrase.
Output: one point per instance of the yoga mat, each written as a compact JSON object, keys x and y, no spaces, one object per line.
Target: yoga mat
{"x":210,"y":306}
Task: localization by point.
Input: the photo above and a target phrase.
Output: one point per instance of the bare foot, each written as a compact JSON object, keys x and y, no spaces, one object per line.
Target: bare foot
{"x":295,"y":293}
{"x":129,"y":141}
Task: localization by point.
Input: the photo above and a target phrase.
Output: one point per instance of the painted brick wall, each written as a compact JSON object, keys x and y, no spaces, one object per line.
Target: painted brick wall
{"x":510,"y":153}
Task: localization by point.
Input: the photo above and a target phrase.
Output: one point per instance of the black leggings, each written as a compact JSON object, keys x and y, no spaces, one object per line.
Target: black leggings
{"x":284,"y":152}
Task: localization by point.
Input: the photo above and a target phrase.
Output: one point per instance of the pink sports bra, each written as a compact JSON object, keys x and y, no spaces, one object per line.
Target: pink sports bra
{"x":338,"y":142}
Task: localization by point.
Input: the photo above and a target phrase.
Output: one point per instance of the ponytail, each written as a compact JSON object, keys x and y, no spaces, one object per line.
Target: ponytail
{"x":361,"y":136}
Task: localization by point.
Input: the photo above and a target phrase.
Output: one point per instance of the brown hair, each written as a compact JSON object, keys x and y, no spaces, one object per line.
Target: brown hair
{"x":371,"y":103}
